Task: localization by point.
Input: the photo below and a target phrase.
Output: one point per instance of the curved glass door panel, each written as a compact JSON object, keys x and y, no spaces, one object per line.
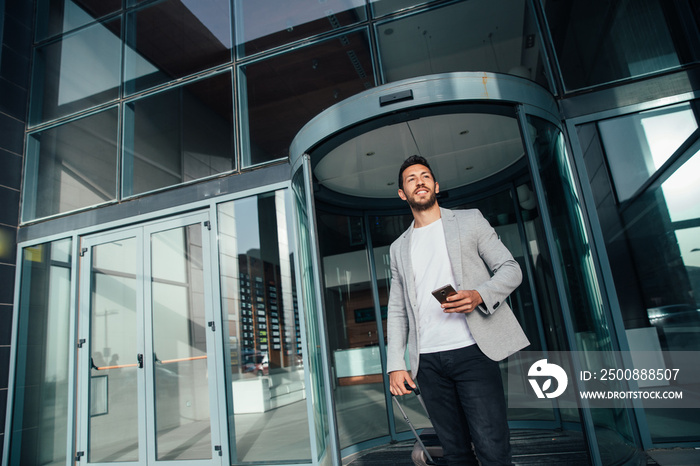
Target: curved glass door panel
{"x":353,"y":330}
{"x":310,"y":296}
{"x":114,"y":353}
{"x":384,"y":230}
{"x":516,"y":230}
{"x":612,"y":427}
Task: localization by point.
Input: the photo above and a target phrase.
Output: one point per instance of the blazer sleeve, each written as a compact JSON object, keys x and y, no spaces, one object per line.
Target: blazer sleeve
{"x":505,"y":270}
{"x":397,"y":319}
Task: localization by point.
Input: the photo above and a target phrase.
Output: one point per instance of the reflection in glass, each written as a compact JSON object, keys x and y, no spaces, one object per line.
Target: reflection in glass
{"x":474,"y":35}
{"x":383,"y":7}
{"x":113,"y":387}
{"x":353,"y":333}
{"x":71,"y":166}
{"x":681,"y":192}
{"x":613,"y":428}
{"x":663,"y":230}
{"x":599,"y":42}
{"x":191,"y":36}
{"x":59,"y":86}
{"x":60,"y":16}
{"x":263,"y":334}
{"x":179,"y":135}
{"x":284,"y":92}
{"x":182,"y":421}
{"x":40,"y":419}
{"x":652,"y":242}
{"x":638,"y":144}
{"x":264,"y":25}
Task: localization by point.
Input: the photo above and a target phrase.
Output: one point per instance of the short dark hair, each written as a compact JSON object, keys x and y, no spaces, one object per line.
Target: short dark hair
{"x":413,"y":160}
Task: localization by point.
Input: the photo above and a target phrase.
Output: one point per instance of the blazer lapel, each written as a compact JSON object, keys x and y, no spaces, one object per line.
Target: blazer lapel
{"x":452,"y":238}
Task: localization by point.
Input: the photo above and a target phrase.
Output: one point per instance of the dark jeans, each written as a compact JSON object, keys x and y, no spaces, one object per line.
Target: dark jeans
{"x":463,"y":392}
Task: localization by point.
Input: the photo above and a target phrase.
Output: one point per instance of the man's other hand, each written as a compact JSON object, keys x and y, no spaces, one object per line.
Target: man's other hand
{"x":396,"y":380}
{"x":462,"y":301}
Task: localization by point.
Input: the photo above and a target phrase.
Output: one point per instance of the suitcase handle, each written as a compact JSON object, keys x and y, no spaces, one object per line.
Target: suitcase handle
{"x":411,"y":389}
{"x":413,"y":429}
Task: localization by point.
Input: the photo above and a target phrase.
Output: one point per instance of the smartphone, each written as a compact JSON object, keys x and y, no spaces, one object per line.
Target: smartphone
{"x":443,"y":292}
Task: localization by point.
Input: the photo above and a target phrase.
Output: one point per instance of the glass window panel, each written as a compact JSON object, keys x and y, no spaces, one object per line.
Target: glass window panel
{"x":192,"y":35}
{"x":476,"y":35}
{"x":661,"y":237}
{"x":263,"y":335}
{"x":637,"y":145}
{"x":179,"y":135}
{"x":599,"y":41}
{"x":652,"y":244}
{"x":353,"y":331}
{"x":71,"y":166}
{"x":383,"y":7}
{"x":262,"y":25}
{"x":284,"y":92}
{"x":59,"y":84}
{"x":40,"y":419}
{"x":59,"y":16}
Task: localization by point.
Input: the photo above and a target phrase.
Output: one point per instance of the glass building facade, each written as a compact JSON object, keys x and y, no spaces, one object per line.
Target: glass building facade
{"x":199,"y":198}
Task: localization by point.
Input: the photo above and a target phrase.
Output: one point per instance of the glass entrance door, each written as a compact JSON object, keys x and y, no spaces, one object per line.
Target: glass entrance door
{"x":147,"y":336}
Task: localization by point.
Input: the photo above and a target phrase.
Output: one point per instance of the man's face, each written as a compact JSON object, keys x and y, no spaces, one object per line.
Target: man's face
{"x":419,"y":187}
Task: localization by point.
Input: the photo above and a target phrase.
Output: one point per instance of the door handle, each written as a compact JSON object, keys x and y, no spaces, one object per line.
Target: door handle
{"x":139,"y":357}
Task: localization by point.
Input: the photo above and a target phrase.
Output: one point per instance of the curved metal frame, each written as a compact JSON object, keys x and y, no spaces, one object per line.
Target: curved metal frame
{"x":432,"y":90}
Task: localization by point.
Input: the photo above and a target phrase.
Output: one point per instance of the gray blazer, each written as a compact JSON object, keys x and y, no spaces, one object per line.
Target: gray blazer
{"x":472,"y":246}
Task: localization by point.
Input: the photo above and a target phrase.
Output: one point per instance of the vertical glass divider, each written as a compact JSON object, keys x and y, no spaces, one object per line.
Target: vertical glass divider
{"x":14,"y":337}
{"x":380,"y":327}
{"x":584,"y":412}
{"x":294,"y":220}
{"x":73,"y":321}
{"x":226,"y":438}
{"x":333,"y":448}
{"x":529,"y":269}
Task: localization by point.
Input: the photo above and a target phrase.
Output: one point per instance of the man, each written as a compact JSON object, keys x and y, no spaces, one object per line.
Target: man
{"x":454,"y":347}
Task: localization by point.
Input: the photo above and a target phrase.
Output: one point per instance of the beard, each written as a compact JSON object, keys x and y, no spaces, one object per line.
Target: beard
{"x":418,"y":206}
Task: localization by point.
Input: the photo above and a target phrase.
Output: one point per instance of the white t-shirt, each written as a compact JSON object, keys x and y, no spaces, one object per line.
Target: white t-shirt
{"x":437,"y":330}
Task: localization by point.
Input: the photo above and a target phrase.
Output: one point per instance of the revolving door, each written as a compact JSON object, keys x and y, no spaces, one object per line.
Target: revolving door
{"x":494,"y":143}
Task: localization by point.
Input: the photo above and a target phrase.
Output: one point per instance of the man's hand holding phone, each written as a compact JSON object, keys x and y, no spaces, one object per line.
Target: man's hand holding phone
{"x":457,"y":301}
